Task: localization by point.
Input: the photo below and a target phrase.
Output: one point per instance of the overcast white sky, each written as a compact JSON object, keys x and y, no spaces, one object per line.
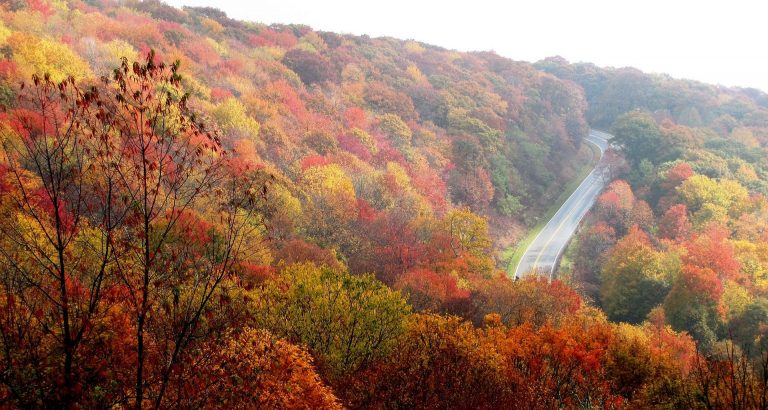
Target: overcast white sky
{"x":712,"y":41}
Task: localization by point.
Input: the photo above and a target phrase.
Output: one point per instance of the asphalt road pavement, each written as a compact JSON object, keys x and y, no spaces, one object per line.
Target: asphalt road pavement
{"x":542,"y":254}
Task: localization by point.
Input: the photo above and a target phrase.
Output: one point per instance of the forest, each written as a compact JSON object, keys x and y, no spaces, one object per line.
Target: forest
{"x":202,"y":212}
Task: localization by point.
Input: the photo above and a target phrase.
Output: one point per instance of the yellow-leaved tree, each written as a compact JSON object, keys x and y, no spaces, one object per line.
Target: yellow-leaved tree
{"x":41,"y":56}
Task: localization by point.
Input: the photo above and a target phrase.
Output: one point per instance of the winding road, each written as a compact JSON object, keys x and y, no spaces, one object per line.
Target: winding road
{"x":542,"y":254}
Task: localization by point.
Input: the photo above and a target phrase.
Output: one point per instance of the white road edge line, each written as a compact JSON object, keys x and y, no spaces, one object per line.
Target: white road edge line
{"x":592,"y":133}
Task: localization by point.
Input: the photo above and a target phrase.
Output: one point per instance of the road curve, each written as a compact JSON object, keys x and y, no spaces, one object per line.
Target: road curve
{"x":542,"y":254}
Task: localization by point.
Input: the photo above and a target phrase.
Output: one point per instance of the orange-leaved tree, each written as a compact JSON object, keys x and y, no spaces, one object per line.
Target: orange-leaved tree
{"x":107,"y":190}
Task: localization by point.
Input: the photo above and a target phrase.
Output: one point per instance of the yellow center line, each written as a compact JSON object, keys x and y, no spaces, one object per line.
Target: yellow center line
{"x":565,"y":219}
{"x":551,"y":237}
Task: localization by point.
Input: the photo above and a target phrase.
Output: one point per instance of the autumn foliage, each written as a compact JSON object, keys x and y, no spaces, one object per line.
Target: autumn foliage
{"x":254,"y":369}
{"x":200,"y":212}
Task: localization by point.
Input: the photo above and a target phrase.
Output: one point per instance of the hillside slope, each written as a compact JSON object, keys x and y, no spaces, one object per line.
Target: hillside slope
{"x":402,"y":122}
{"x":273,"y":217}
{"x":685,"y":233}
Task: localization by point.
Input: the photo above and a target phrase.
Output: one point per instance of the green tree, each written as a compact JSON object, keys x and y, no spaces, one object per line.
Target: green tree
{"x":510,"y":205}
{"x":396,"y":130}
{"x":634,"y":279}
{"x":346,"y":320}
{"x":748,"y":328}
{"x":692,"y":305}
{"x":638,"y":135}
